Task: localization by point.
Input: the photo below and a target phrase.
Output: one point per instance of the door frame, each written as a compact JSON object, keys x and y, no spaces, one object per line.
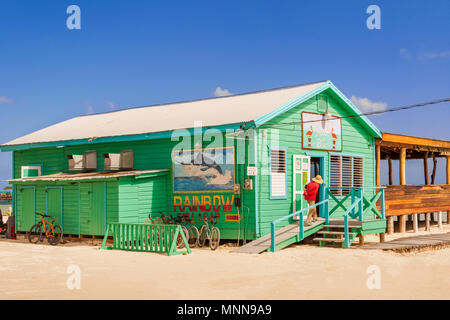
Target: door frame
{"x":294,"y":181}
{"x":322,"y":174}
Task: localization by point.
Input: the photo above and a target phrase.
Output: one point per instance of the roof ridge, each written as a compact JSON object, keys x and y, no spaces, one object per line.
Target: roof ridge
{"x":202,"y":99}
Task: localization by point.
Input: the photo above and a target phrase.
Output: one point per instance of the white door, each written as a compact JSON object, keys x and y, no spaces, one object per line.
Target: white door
{"x":300,"y":179}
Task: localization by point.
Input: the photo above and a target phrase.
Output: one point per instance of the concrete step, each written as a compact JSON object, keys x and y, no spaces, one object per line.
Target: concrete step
{"x":329,"y":240}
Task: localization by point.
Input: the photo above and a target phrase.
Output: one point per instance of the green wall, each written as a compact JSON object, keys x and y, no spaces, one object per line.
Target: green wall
{"x":130,"y":199}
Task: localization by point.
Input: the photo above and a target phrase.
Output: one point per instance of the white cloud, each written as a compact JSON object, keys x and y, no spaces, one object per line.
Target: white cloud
{"x":435,"y":55}
{"x":89,"y":110}
{"x":404,"y":53}
{"x":219,"y":92}
{"x":366,"y":105}
{"x":5,"y":100}
{"x":112,"y":105}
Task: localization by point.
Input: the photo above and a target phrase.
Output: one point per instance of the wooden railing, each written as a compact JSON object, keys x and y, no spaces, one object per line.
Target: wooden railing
{"x":412,"y":199}
{"x":299,"y":213}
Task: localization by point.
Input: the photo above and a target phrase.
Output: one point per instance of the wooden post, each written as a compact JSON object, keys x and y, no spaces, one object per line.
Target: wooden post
{"x":440,"y":219}
{"x":382,"y":237}
{"x":415,"y":222}
{"x":402,"y":218}
{"x":390,"y":225}
{"x":425,"y":168}
{"x":402,"y":165}
{"x":378,"y":159}
{"x":402,"y":223}
{"x":391,"y":179}
{"x":448,"y":182}
{"x":427,"y":221}
{"x":433,"y":175}
{"x":361,"y":239}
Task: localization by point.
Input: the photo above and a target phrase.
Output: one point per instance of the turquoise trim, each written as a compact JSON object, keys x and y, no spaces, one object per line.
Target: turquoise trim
{"x":14,"y":189}
{"x":257,"y":213}
{"x":104,"y":205}
{"x":124,"y":138}
{"x":270,"y":171}
{"x":321,"y":155}
{"x":327,"y":85}
{"x":79,"y":210}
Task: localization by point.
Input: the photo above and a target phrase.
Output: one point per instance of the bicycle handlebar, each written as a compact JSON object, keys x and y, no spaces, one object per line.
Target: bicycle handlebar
{"x":42,"y":215}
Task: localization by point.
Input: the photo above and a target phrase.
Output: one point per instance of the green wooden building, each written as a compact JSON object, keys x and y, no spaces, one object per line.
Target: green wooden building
{"x":240,"y":160}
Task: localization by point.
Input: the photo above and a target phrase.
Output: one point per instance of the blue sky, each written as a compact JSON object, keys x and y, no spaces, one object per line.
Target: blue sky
{"x":134,"y":53}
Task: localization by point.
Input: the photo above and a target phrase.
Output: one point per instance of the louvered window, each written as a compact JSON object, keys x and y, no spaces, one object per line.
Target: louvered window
{"x":345,"y":172}
{"x":278,"y":173}
{"x":358,"y":172}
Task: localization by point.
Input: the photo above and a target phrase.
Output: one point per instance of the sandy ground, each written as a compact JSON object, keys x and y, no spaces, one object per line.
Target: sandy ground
{"x":298,"y":272}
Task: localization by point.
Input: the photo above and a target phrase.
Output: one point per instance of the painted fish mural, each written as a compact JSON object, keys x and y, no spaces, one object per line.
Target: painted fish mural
{"x":203,"y":170}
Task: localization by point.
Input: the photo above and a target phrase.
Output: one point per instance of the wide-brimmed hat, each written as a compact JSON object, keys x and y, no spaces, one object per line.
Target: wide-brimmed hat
{"x":318,"y":179}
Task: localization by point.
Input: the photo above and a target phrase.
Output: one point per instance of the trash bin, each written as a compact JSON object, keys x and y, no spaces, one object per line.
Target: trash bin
{"x":11,"y":228}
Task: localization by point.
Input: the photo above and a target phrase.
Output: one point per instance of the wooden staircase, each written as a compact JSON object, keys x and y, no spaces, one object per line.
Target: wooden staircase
{"x":334,"y":232}
{"x":284,"y":237}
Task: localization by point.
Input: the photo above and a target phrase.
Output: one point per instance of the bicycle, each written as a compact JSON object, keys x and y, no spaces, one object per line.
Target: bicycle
{"x":193,"y":233}
{"x":212,"y":234}
{"x":53,"y":233}
{"x":163,"y":219}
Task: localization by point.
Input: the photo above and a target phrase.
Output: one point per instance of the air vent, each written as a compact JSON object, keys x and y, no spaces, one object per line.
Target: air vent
{"x":85,"y":162}
{"x":119,"y":161}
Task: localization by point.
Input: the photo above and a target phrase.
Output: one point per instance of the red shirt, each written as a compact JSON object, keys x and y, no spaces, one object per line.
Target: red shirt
{"x":311,"y":190}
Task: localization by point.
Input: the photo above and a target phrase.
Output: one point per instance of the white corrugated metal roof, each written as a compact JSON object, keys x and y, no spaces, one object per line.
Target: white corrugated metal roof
{"x":181,"y":115}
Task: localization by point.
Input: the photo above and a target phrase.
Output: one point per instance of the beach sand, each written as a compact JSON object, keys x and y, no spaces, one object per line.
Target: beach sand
{"x":297,"y":272}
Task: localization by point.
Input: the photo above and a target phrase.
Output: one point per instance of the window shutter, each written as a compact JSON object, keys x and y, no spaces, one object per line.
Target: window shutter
{"x":347,"y":174}
{"x":335,"y":174}
{"x":358,"y":172}
{"x":278,"y":173}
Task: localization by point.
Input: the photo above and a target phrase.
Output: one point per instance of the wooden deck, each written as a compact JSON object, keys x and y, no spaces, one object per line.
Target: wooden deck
{"x":416,"y":243}
{"x":286,"y":233}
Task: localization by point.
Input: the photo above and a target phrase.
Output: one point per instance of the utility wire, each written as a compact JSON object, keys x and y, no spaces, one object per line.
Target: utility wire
{"x":417,"y":105}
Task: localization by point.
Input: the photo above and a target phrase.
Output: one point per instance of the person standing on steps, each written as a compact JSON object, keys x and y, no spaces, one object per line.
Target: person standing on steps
{"x":310,"y":196}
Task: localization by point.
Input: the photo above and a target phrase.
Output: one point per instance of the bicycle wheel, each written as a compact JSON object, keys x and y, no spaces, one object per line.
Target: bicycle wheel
{"x":35,"y":233}
{"x":203,"y":235}
{"x":56,"y":236}
{"x":214,"y":238}
{"x":193,"y":236}
{"x":180,"y":242}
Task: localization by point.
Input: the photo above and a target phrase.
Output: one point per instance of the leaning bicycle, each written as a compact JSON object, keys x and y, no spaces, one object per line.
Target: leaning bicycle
{"x":52,"y":232}
{"x":209,"y":233}
{"x":163,"y":219}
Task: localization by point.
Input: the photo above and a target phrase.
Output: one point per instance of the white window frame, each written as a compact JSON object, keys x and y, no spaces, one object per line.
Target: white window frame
{"x":278,"y":175}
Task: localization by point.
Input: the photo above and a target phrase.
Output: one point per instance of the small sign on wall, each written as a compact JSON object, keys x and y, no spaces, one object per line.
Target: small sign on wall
{"x":252,"y":171}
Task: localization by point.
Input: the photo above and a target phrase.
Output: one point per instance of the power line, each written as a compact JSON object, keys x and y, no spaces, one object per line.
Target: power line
{"x":417,"y":105}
